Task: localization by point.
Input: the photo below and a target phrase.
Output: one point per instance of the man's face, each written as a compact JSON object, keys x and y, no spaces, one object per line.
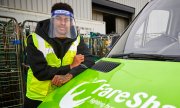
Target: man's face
{"x":61,"y":25}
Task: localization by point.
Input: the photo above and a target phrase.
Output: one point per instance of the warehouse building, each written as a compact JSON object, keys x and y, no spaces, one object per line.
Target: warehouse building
{"x":104,"y":16}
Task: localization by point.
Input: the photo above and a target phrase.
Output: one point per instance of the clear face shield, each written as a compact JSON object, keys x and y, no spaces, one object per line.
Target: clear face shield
{"x":62,"y":25}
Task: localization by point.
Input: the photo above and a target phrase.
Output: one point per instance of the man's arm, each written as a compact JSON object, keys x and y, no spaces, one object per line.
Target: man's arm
{"x":41,"y":70}
{"x":88,"y":59}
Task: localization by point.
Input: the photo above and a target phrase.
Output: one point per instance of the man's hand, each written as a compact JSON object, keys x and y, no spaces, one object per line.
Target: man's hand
{"x":59,"y":80}
{"x":77,"y":60}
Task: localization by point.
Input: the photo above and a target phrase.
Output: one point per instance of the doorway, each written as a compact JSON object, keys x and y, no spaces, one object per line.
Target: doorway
{"x":110,"y":23}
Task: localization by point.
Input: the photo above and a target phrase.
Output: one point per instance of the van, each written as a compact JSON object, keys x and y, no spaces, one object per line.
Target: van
{"x":141,"y":71}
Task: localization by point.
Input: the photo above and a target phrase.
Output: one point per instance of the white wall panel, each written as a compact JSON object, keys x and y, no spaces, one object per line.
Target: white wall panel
{"x":45,"y":6}
{"x":34,"y":6}
{"x":74,"y":7}
{"x":78,"y":11}
{"x":89,"y":9}
{"x":49,"y":4}
{"x":29,"y":5}
{"x":53,"y":2}
{"x":23,"y":5}
{"x":81,"y":9}
{"x":17,"y":4}
{"x":4,"y":3}
{"x":62,"y":1}
{"x":40,"y":6}
{"x":69,"y":2}
{"x":11,"y":3}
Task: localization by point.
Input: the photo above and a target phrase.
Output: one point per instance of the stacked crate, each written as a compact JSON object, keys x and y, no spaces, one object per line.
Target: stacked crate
{"x":10,"y":71}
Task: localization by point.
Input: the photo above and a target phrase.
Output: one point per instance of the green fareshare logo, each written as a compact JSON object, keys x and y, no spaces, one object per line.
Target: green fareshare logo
{"x":105,"y":91}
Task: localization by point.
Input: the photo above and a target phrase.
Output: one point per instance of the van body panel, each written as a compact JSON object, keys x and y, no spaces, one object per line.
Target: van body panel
{"x":132,"y":83}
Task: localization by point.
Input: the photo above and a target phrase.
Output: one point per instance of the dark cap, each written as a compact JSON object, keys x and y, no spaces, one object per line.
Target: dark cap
{"x":62,"y":6}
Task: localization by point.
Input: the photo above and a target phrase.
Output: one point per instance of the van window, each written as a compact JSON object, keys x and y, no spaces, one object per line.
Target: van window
{"x":156,"y":31}
{"x":156,"y":25}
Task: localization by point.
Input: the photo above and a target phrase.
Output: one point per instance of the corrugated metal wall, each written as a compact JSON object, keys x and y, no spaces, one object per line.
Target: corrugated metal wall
{"x":121,"y":24}
{"x":98,"y":16}
{"x":138,"y":4}
{"x":82,"y":8}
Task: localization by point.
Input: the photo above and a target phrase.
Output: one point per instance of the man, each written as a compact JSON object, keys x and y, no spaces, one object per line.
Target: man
{"x":55,"y":54}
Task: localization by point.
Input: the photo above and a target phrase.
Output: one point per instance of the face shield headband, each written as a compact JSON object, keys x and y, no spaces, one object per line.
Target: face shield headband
{"x":61,"y":12}
{"x":62,"y":25}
